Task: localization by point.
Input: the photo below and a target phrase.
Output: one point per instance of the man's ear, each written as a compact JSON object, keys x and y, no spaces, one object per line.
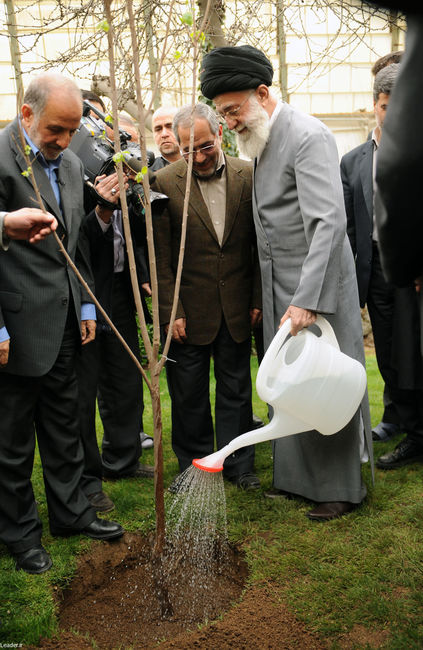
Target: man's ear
{"x":262,"y":93}
{"x":27,"y":114}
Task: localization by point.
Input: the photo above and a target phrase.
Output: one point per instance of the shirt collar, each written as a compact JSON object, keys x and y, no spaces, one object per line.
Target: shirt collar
{"x":275,"y":113}
{"x":376,"y":136}
{"x":220,"y":164}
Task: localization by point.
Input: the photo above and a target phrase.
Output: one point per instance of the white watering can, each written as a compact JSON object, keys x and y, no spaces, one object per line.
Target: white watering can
{"x":309,"y":383}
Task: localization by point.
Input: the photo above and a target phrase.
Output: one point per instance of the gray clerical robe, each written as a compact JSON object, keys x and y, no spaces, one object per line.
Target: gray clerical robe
{"x":306,"y":261}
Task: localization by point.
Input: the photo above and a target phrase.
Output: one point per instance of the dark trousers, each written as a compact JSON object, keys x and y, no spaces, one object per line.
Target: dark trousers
{"x":189,"y":388}
{"x":406,"y":404}
{"x":49,"y":405}
{"x":105,"y":370}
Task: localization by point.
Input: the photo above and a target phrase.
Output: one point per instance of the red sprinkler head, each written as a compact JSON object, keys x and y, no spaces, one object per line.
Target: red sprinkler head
{"x":201,"y":463}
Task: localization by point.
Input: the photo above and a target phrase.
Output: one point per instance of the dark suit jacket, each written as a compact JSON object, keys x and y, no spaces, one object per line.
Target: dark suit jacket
{"x":36,"y":284}
{"x":216,"y":280}
{"x":102,"y":261}
{"x":357,"y":181}
{"x":400,"y":168}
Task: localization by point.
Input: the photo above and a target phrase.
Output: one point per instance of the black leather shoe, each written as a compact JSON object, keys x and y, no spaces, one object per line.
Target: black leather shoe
{"x":406,"y":452}
{"x":330,"y":510}
{"x":34,"y":560}
{"x":97,"y":529}
{"x":246,"y":481}
{"x":384,"y":431}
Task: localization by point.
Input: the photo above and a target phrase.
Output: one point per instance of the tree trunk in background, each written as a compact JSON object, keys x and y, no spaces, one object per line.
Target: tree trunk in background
{"x":214,"y":28}
{"x":152,"y":59}
{"x":395,"y":31}
{"x":281,"y":49}
{"x":14,"y":50}
{"x":101,"y":86}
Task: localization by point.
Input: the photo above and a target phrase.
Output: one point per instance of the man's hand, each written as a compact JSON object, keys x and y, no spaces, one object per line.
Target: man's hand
{"x":31,"y":224}
{"x":4,"y":352}
{"x":146,"y":288}
{"x":300,"y":318}
{"x":178,"y":334}
{"x":88,"y":331}
{"x":108,"y":188}
{"x":256,"y":316}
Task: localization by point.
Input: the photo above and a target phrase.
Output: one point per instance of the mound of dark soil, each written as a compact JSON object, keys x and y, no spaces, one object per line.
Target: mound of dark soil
{"x":115,"y":601}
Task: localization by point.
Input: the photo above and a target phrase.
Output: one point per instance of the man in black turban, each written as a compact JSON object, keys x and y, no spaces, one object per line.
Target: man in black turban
{"x":305,"y":259}
{"x":226,"y":69}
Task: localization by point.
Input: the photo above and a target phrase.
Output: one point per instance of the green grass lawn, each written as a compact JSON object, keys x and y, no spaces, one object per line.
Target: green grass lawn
{"x":362,"y":570}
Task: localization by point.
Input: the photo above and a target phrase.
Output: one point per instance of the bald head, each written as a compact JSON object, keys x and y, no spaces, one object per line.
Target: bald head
{"x":164,"y":137}
{"x":42,"y":87}
{"x":51,"y":113}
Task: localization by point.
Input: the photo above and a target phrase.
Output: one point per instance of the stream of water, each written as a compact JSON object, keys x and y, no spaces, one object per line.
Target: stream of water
{"x":196,"y":530}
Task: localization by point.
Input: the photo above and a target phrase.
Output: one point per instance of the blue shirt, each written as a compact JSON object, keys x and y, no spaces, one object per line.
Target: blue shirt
{"x":51,"y":168}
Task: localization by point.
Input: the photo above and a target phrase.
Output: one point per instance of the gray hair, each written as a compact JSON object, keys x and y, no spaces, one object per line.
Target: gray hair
{"x":385,"y":80}
{"x":200,"y":111}
{"x":39,"y":90}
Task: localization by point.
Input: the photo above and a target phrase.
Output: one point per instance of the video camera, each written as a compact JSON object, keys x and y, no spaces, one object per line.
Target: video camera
{"x":96,"y":150}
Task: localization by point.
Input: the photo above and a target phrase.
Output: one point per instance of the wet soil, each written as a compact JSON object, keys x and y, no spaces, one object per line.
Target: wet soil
{"x":114,"y":602}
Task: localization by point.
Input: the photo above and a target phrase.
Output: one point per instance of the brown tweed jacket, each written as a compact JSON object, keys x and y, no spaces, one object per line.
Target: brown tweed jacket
{"x":217,"y":281}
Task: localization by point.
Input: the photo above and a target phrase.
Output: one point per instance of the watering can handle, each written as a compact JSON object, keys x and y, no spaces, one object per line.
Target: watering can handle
{"x":267,"y":393}
{"x":327,"y":331}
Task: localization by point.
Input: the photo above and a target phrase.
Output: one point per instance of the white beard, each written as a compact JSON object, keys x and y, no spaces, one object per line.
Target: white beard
{"x":253,"y":141}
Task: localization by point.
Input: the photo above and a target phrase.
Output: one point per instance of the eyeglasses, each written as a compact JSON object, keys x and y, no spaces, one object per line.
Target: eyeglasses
{"x":233,"y":112}
{"x":205,"y":150}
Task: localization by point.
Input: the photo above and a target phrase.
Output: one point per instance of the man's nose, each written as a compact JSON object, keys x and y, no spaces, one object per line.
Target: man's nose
{"x":200,"y":156}
{"x":63,"y":140}
{"x":231,"y":122}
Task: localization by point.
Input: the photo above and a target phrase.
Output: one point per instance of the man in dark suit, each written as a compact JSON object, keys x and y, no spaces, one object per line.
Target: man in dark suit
{"x":104,"y":369}
{"x":393,"y":312}
{"x":220,"y":296}
{"x":43,"y":319}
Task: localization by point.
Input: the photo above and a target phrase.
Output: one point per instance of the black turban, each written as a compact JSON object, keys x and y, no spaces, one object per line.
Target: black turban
{"x":228,"y":69}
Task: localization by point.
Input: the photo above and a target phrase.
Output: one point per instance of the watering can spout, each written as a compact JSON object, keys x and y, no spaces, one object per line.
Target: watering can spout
{"x":279,"y":426}
{"x":310,"y":384}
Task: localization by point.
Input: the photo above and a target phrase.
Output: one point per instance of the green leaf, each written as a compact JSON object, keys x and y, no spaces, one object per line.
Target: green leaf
{"x":186,"y":19}
{"x":108,"y":119}
{"x":27,"y":150}
{"x":27,"y":172}
{"x":177,"y":55}
{"x":141,"y":174}
{"x":103,"y":26}
{"x":119,"y":157}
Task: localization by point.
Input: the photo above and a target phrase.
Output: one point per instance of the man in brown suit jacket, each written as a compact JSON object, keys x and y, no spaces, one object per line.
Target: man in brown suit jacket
{"x":220,"y":297}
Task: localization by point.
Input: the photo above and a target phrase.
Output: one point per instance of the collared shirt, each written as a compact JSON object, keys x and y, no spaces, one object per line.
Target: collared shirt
{"x":4,"y":240}
{"x":118,"y":239}
{"x":276,"y":112}
{"x":376,"y":140}
{"x":213,"y":190}
{"x":51,"y":167}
